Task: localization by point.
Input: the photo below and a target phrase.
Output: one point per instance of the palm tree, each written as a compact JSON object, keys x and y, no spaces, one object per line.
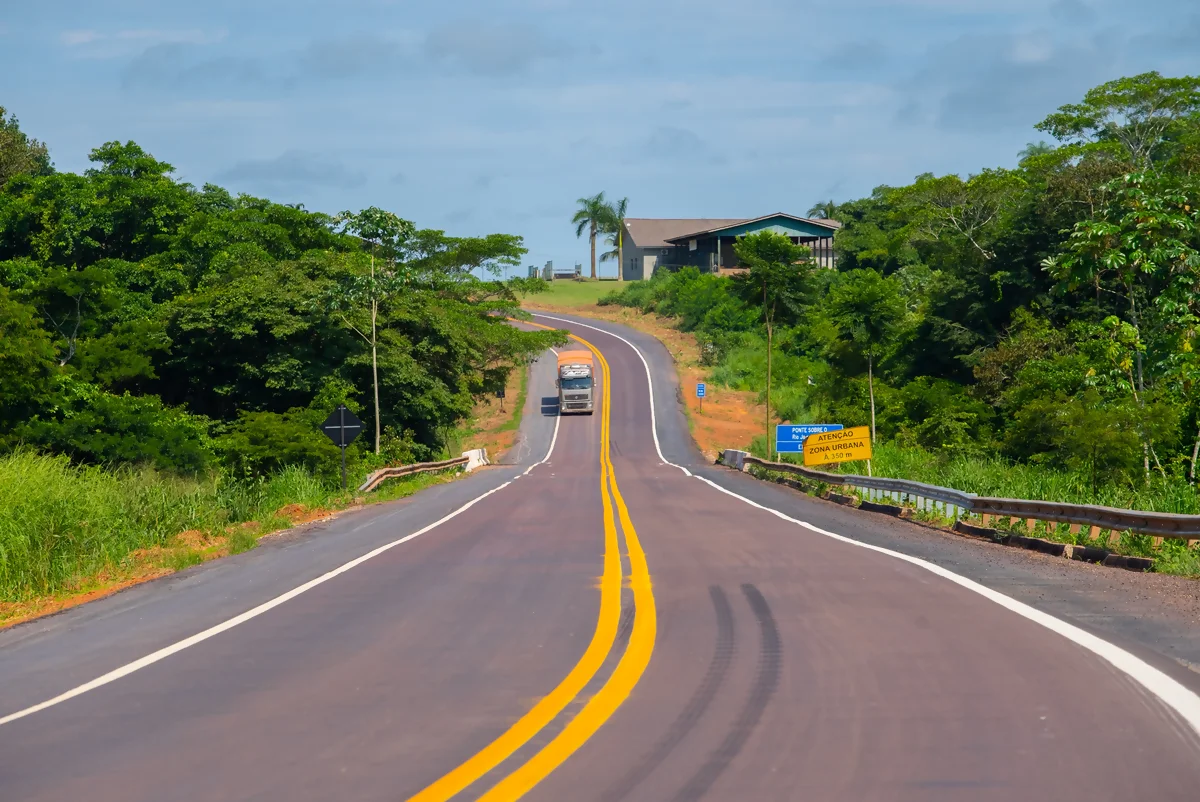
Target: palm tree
{"x":1034,"y":149}
{"x":614,"y":224}
{"x":824,"y":210}
{"x":590,"y":217}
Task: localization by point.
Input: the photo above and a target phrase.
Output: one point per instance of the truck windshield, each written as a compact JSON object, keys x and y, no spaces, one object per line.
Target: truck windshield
{"x":583,"y":383}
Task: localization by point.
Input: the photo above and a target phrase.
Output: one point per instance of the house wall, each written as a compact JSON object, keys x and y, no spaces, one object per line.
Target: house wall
{"x":639,"y":261}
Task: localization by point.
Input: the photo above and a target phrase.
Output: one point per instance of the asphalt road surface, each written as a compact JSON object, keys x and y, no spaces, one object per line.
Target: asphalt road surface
{"x":604,"y":619}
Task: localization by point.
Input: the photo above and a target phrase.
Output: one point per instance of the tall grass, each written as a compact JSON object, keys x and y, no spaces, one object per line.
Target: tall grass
{"x":995,"y":476}
{"x":60,"y":522}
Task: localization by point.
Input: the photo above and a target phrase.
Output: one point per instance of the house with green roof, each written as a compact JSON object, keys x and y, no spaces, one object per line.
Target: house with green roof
{"x":707,"y":243}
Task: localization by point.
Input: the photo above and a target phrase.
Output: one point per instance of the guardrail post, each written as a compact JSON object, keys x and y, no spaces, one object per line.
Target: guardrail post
{"x":476,"y":458}
{"x":735,"y":459}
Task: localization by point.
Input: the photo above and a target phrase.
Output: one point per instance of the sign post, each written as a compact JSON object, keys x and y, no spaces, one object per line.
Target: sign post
{"x":789,"y":437}
{"x":500,"y":395}
{"x":342,"y":426}
{"x":844,"y":445}
{"x":700,"y":391}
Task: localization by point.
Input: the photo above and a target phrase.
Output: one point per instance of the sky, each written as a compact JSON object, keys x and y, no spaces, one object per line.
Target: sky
{"x":480,"y":117}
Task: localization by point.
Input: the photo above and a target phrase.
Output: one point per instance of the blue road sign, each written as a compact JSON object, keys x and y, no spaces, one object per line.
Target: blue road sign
{"x":789,"y":438}
{"x":700,"y":389}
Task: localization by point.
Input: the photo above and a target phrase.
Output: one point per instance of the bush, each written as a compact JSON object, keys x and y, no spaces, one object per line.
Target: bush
{"x":261,"y":443}
{"x":938,"y":414}
{"x":97,"y":427}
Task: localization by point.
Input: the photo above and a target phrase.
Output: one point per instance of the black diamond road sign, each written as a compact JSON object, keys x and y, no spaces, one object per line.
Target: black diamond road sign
{"x":342,"y":427}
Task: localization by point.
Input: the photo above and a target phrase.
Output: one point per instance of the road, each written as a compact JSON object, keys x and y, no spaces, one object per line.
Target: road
{"x":606,"y":619}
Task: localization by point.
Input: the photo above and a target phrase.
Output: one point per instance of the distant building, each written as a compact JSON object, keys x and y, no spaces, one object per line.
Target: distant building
{"x":672,"y":243}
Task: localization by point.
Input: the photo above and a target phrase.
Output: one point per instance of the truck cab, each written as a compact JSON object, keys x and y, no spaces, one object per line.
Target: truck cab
{"x":576,"y":383}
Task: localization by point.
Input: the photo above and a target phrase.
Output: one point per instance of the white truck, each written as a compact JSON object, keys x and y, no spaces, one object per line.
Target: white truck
{"x":576,"y":382}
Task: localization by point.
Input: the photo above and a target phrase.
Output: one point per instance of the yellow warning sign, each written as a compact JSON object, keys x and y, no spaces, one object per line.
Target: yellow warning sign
{"x":844,"y":445}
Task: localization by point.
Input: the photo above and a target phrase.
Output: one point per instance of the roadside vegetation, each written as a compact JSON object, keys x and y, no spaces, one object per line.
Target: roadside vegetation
{"x":567,"y":294}
{"x":73,"y":532}
{"x":168,"y":352}
{"x":1030,"y":332}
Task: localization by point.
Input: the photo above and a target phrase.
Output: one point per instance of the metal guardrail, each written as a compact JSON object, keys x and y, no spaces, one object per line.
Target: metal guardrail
{"x":945,"y":495}
{"x":378,"y":477}
{"x":1158,"y":524}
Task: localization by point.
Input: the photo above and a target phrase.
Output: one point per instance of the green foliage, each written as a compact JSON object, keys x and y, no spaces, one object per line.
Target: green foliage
{"x":614,"y":220}
{"x":1138,"y":113}
{"x":27,"y":363}
{"x":260,"y":443}
{"x":123,"y":286}
{"x":94,"y":426}
{"x":61,"y":522}
{"x":20,"y":154}
{"x":1046,"y":316}
{"x":592,"y":214}
{"x":867,"y":310}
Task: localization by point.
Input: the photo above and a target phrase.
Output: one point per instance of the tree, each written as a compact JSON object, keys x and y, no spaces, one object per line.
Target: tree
{"x":1138,"y":113}
{"x":947,"y":206}
{"x":591,"y":217}
{"x":776,"y":281}
{"x":867,"y":310}
{"x":614,"y":228}
{"x":387,"y":234}
{"x":27,"y":361}
{"x":1145,"y":237}
{"x":20,"y":154}
{"x":824,"y":210}
{"x":1034,"y":149}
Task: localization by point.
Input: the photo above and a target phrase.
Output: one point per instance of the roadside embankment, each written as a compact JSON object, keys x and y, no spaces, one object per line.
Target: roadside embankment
{"x":735,"y":419}
{"x":70,"y":534}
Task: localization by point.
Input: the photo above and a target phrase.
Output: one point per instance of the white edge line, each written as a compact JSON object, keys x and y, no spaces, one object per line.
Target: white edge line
{"x":649,"y":380}
{"x":1172,"y":693}
{"x":254,"y":612}
{"x":199,"y":637}
{"x":1176,"y":696}
{"x":550,"y":450}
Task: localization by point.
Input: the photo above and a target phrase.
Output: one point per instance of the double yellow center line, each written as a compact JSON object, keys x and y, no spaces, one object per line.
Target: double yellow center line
{"x":619,"y":684}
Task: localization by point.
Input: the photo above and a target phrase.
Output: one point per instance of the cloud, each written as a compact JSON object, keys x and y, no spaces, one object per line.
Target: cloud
{"x":1073,"y":12}
{"x":1179,"y":37}
{"x":1032,"y":49}
{"x":175,"y":67}
{"x":349,"y":56}
{"x":398,"y":179}
{"x":668,"y":143}
{"x":178,"y":66}
{"x":88,"y":43}
{"x":1002,"y":81}
{"x":459,"y":216}
{"x":856,"y":56}
{"x":76,"y":38}
{"x":497,"y":49}
{"x":295,"y":169}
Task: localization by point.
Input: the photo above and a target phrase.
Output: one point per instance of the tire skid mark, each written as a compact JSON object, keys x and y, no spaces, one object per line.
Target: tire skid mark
{"x":701,"y":698}
{"x":624,"y":626}
{"x":770,"y":662}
